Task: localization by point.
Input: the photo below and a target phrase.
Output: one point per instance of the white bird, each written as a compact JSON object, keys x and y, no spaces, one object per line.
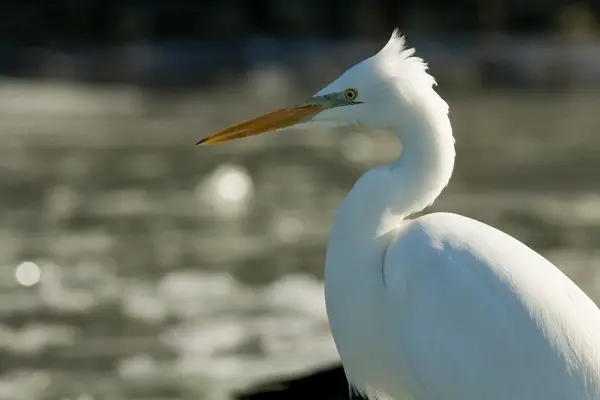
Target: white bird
{"x":439,"y":307}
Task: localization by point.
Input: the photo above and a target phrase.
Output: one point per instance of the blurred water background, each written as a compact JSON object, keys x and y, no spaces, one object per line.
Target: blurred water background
{"x":137,"y":266}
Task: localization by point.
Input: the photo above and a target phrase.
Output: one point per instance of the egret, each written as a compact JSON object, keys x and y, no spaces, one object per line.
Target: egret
{"x":439,"y":307}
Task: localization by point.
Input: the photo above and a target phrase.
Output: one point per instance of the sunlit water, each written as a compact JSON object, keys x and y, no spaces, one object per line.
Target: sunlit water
{"x":135,"y":265}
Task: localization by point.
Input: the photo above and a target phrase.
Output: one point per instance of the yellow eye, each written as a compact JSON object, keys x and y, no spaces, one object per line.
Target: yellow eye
{"x":350,"y":94}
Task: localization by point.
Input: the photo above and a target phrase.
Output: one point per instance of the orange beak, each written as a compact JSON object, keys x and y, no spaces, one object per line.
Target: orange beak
{"x":273,"y":121}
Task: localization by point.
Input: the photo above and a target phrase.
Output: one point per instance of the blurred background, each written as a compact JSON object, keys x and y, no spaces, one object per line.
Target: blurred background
{"x":135,"y":265}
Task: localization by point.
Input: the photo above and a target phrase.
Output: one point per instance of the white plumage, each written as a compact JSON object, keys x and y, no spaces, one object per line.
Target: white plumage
{"x":450,"y":308}
{"x":440,"y":307}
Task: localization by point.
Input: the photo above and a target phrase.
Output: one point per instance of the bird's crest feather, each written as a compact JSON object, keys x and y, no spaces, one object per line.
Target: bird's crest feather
{"x":397,"y":59}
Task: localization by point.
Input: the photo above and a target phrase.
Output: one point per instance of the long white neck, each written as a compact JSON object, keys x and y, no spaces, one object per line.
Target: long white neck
{"x":425,"y":166}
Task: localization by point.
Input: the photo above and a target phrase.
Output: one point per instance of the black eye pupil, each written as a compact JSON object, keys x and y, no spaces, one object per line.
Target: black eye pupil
{"x":350,"y":94}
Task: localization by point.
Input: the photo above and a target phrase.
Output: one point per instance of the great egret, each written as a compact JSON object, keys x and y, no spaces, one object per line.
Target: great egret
{"x":440,"y":307}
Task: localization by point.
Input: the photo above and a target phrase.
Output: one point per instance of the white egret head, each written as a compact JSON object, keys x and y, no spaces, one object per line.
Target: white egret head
{"x":377,"y":92}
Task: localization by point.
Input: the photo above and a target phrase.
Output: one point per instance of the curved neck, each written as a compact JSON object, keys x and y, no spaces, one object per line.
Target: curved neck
{"x":385,"y":195}
{"x":425,"y":166}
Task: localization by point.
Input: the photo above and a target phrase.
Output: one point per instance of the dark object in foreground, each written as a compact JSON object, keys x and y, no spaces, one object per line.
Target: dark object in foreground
{"x":327,"y":384}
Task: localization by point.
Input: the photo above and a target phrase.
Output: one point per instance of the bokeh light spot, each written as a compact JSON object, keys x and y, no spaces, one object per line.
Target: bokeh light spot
{"x":228,"y":189}
{"x":233,"y":185}
{"x":28,"y":273}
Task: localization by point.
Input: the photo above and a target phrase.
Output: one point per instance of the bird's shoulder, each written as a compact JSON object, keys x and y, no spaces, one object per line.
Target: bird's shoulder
{"x":441,"y":241}
{"x":454,"y":255}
